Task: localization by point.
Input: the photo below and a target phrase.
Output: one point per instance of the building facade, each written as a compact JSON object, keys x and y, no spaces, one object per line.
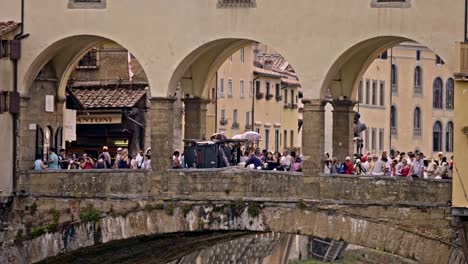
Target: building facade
{"x":406,"y":99}
{"x":256,"y":91}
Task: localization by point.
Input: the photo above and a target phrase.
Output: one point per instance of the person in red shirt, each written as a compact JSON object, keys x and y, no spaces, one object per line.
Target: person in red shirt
{"x":405,"y":169}
{"x":86,"y":163}
{"x":349,"y":166}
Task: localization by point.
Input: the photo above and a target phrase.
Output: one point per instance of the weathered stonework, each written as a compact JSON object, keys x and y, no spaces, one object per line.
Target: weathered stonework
{"x":195,"y":118}
{"x":343,"y":128}
{"x":162,"y":124}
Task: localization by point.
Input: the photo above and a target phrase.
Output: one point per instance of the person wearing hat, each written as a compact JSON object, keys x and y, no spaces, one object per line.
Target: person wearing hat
{"x":118,"y":157}
{"x":106,"y":156}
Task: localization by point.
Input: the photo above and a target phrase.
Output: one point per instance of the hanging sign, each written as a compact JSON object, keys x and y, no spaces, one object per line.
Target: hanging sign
{"x":98,"y":119}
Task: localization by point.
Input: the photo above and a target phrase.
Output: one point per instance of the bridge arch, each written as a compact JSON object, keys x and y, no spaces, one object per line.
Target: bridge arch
{"x":342,"y":79}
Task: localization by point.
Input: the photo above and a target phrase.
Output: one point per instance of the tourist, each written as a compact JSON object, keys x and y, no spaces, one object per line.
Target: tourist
{"x":63,"y":162}
{"x":335,"y":166}
{"x":349,"y":166}
{"x":139,"y":159}
{"x":327,"y":163}
{"x":358,"y":168}
{"x":365,"y":164}
{"x":106,"y":156}
{"x":86,"y":163}
{"x":417,"y":170}
{"x":379,"y":167}
{"x":101,"y":163}
{"x":442,"y":171}
{"x":431,"y":169}
{"x":254,"y":162}
{"x":74,"y":163}
{"x":53,"y":159}
{"x":393,"y":168}
{"x":39,"y":164}
{"x":176,"y":160}
{"x":118,"y":158}
{"x":404,"y":169}
{"x":125,"y":160}
{"x":286,"y":160}
{"x":297,"y":165}
{"x":146,"y":163}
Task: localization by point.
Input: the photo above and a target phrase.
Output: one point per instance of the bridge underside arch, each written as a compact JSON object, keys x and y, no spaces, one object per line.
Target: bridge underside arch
{"x":357,"y":225}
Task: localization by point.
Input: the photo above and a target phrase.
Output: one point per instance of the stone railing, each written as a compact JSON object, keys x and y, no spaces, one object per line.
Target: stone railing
{"x":232,"y":184}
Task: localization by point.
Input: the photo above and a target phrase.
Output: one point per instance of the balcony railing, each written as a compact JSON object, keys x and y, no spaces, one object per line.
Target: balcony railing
{"x":287,"y":106}
{"x":279,"y":98}
{"x":268,"y":96}
{"x":393,"y":130}
{"x":248,"y":126}
{"x":223,"y":122}
{"x":236,"y":3}
{"x":418,"y":90}
{"x":294,"y":106}
{"x":417,"y":132}
{"x":259,"y":96}
{"x":235,"y":125}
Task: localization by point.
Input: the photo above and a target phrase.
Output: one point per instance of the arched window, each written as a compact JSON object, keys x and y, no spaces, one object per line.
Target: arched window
{"x":437,"y":137}
{"x":449,"y":137}
{"x":438,"y":93}
{"x":418,"y":80}
{"x":394,"y":78}
{"x":58,"y":139}
{"x":417,"y":122}
{"x":449,"y":103}
{"x":39,"y":141}
{"x":393,"y":120}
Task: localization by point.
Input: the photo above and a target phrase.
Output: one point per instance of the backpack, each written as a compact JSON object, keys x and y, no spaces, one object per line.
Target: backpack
{"x":342,"y":168}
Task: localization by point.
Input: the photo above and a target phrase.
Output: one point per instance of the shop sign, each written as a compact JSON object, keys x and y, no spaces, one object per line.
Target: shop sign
{"x":98,"y":119}
{"x":69,"y":125}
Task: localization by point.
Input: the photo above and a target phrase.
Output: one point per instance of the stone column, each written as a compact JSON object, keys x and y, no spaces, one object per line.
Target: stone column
{"x":313,"y":136}
{"x":343,"y":128}
{"x":195,"y":118}
{"x":162,"y":124}
{"x":313,"y":145}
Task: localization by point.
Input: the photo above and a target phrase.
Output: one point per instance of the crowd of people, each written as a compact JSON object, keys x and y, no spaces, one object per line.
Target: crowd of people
{"x":122,"y":160}
{"x":401,"y":164}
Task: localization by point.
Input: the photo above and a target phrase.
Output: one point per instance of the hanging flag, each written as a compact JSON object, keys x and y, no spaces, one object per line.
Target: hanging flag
{"x":130,"y":72}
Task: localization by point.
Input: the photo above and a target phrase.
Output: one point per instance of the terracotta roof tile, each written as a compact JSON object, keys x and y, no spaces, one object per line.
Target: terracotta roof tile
{"x":271,"y":73}
{"x":109,"y":97}
{"x":8,"y":26}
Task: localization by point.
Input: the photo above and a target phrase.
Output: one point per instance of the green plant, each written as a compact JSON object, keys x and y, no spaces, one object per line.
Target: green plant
{"x":153,"y":207}
{"x":169,"y":209}
{"x":89,"y":214}
{"x":254,"y":210}
{"x":55,"y":215}
{"x":301,"y":205}
{"x":33,"y":208}
{"x":185,"y":209}
{"x":37,"y":232}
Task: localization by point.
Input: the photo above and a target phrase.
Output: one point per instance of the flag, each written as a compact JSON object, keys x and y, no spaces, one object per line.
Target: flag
{"x":130,"y":72}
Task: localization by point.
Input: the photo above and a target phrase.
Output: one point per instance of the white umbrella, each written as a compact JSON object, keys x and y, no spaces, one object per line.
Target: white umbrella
{"x":252,"y":136}
{"x":240,"y":136}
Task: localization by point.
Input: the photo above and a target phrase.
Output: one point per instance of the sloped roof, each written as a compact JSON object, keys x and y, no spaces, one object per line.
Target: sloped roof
{"x":270,"y":73}
{"x":109,"y":96}
{"x":7,"y":26}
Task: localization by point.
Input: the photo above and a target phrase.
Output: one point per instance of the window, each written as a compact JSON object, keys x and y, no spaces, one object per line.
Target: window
{"x":437,"y":137}
{"x":213,"y":94}
{"x":267,"y":89}
{"x":234,"y":116}
{"x":4,"y":48}
{"x":221,"y":87}
{"x":236,"y":3}
{"x":277,"y":90}
{"x":257,"y":87}
{"x":391,"y":3}
{"x":360,"y":92}
{"x":267,"y":138}
{"x":241,"y":85}
{"x":367,"y":92}
{"x":251,"y":88}
{"x":417,"y":122}
{"x":418,"y":55}
{"x":229,"y":88}
{"x":39,"y":141}
{"x":439,"y":61}
{"x":291,"y":137}
{"x":86,"y":4}
{"x":58,"y":139}
{"x":223,"y":114}
{"x":89,"y":60}
{"x":438,"y":94}
{"x":384,"y":55}
{"x":393,"y":120}
{"x":418,"y":80}
{"x":230,"y":58}
{"x":247,"y":119}
{"x":242,"y":55}
{"x":449,"y":101}
{"x":449,"y":137}
{"x":277,"y":139}
{"x":285,"y":139}
{"x":285,"y":96}
{"x":292,"y":97}
{"x":381,"y":139}
{"x":374,"y":92}
{"x":374,"y":138}
{"x":394,"y":79}
{"x":382,"y":93}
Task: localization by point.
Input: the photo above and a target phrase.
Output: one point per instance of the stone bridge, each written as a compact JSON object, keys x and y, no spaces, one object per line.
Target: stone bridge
{"x":63,"y":213}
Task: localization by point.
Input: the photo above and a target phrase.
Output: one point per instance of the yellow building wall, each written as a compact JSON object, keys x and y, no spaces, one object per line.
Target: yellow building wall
{"x":405,"y":101}
{"x":460,"y":174}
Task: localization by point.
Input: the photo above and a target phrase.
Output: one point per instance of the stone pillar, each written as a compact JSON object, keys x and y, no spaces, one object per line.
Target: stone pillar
{"x":162,"y":124}
{"x":343,"y":128}
{"x":195,"y":118}
{"x":313,"y":136}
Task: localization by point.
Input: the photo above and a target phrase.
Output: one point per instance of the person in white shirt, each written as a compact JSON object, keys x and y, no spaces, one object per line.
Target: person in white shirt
{"x":146,"y":163}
